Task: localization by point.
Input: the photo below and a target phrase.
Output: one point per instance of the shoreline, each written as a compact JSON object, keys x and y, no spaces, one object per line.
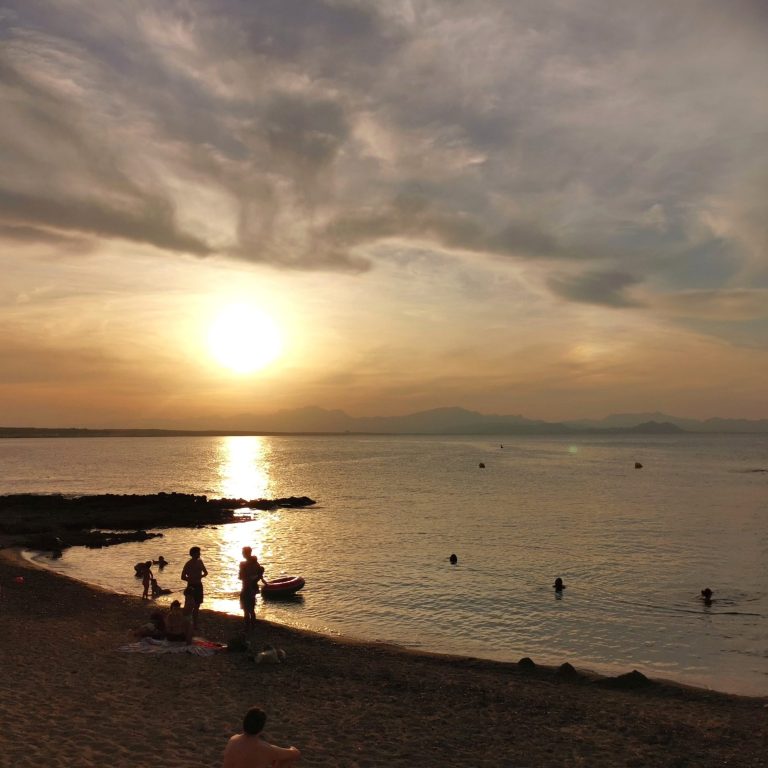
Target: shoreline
{"x":551,"y":663}
{"x":341,"y":701}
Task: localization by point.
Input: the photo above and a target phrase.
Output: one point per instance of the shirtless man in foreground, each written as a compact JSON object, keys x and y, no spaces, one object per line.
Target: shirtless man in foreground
{"x":249,"y":749}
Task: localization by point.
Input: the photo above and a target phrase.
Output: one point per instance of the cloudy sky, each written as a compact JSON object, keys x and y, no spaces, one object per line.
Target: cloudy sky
{"x":557,"y":208}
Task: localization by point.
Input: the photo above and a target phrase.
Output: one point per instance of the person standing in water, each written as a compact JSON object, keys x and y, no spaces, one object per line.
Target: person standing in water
{"x":193,"y":573}
{"x":251,"y":572}
{"x":147,"y":577}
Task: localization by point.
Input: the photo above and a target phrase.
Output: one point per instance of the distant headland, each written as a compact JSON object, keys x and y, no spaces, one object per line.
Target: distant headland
{"x":437,"y":421}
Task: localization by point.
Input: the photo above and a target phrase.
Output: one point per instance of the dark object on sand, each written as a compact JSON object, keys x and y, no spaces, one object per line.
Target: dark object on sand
{"x":481,"y":465}
{"x":453,"y":559}
{"x":567,"y":671}
{"x":629,"y":682}
{"x":638,"y":465}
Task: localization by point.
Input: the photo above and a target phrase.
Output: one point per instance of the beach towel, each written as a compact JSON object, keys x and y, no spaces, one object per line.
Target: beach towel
{"x":199,"y":647}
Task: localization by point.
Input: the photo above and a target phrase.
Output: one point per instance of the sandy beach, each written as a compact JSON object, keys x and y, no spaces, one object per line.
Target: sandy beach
{"x":71,"y":698}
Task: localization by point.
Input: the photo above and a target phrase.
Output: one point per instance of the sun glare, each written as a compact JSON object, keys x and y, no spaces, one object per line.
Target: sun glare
{"x":244,"y":339}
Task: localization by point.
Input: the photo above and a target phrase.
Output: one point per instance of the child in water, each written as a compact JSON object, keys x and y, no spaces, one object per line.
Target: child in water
{"x":147,"y":577}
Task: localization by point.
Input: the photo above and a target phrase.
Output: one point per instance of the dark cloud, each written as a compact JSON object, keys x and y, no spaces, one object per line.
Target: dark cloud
{"x":583,"y":132}
{"x":310,"y":131}
{"x":151,"y":222}
{"x":603,"y":288}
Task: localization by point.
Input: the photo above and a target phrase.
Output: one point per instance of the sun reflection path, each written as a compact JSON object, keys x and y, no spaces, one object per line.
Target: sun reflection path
{"x":243,"y":474}
{"x":243,"y":467}
{"x":257,"y":534}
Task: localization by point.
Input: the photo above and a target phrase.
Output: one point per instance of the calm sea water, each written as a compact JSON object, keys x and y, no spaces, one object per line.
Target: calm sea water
{"x":634,"y":547}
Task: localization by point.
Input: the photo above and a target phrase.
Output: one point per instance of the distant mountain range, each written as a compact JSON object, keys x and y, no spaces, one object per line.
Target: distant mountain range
{"x":438,"y":421}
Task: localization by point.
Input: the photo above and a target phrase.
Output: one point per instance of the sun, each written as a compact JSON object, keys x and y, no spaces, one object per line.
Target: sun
{"x":244,"y":339}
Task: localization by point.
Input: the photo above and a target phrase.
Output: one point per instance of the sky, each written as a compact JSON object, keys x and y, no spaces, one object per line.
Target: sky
{"x":554,"y":208}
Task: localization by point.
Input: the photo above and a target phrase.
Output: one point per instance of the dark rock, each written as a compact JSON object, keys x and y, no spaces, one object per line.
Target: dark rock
{"x":628,"y":682}
{"x":526,"y":665}
{"x":50,"y":515}
{"x":567,"y":671}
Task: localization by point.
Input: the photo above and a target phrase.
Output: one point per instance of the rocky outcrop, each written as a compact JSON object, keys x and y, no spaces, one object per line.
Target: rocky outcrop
{"x":54,"y":521}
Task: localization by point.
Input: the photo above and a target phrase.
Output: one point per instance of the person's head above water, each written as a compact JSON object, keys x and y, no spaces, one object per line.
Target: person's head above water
{"x":558,"y":585}
{"x":706,"y":593}
{"x":254,"y":721}
{"x":175,"y":604}
{"x":453,"y":559}
{"x":194,"y":552}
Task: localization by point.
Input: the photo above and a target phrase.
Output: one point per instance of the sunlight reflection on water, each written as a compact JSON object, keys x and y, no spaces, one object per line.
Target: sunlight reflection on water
{"x":243,"y":468}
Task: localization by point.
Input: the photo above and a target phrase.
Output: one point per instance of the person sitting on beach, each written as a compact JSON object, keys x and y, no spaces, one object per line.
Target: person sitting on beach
{"x":706,"y":596}
{"x":147,"y":577}
{"x":157,"y":590}
{"x":249,"y":749}
{"x":558,"y":585}
{"x":177,"y":626}
{"x":154,"y":628}
{"x":251,"y":572}
{"x":193,"y":573}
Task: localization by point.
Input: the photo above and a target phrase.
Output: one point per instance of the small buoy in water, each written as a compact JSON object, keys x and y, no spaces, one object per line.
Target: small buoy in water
{"x":19,"y":579}
{"x":453,"y":559}
{"x":638,"y":465}
{"x":481,"y":465}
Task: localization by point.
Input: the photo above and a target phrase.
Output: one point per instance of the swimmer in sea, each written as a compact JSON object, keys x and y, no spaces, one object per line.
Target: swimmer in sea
{"x":706,"y":596}
{"x":558,"y":585}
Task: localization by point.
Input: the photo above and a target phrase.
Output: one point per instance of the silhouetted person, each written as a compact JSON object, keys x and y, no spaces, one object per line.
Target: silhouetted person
{"x":147,"y":577}
{"x":453,"y":559}
{"x":558,"y":585}
{"x":706,"y":596}
{"x":193,"y":573}
{"x":251,"y":572}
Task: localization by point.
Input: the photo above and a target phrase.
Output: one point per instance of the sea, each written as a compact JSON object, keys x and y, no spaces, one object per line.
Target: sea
{"x":634,"y":546}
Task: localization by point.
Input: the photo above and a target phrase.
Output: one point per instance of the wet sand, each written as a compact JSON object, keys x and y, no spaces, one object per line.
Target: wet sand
{"x":69,"y":698}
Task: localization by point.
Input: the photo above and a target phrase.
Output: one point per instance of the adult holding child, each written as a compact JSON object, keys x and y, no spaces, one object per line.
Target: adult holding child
{"x":250,"y":573}
{"x":193,"y":573}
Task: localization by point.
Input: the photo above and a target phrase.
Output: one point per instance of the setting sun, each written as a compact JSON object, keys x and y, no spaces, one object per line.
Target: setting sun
{"x":244,"y":339}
